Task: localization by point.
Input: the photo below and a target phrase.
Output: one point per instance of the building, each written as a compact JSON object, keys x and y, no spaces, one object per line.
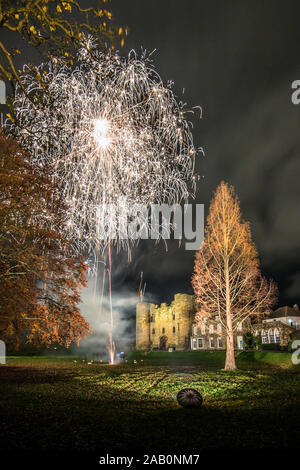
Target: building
{"x":165,"y":327}
{"x":211,"y":335}
{"x":172,"y":327}
{"x":278,"y":326}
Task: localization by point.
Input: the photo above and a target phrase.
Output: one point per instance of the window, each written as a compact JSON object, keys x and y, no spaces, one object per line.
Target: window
{"x":277,"y":336}
{"x":211,"y":342}
{"x":211,"y":328}
{"x":194,"y":344}
{"x":173,"y":316}
{"x":152,"y":319}
{"x":203,"y":330}
{"x":240,"y":326}
{"x":219,"y":328}
{"x":200,"y":343}
{"x":195,"y":330}
{"x":264,"y":338}
{"x":271,"y":336}
{"x":163,"y":331}
{"x":153,"y":331}
{"x":219,"y":342}
{"x":174,"y":329}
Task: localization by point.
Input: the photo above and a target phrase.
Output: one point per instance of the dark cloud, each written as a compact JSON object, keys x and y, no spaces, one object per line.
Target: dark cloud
{"x":237,"y":59}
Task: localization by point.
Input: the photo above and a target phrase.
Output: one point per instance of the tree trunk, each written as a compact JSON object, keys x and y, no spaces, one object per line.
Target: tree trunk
{"x":230,"y":359}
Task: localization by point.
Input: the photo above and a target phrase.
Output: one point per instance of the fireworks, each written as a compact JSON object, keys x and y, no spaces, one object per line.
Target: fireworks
{"x":114,"y":135}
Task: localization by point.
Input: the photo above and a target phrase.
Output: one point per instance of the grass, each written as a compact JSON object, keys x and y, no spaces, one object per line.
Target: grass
{"x":212,"y":358}
{"x":55,"y":403}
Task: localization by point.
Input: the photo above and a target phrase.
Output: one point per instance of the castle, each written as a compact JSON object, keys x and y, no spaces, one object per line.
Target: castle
{"x":172,"y":327}
{"x":166,"y":327}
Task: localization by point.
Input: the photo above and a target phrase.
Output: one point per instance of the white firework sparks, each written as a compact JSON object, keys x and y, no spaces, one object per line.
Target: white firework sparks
{"x":113,"y":133}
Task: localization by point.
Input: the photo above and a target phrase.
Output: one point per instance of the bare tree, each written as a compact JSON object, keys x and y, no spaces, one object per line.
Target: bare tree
{"x":227,"y":281}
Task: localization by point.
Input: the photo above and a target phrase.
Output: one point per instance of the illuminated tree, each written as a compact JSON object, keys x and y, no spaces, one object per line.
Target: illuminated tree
{"x":40,"y":277}
{"x":227,"y":281}
{"x":52,"y":25}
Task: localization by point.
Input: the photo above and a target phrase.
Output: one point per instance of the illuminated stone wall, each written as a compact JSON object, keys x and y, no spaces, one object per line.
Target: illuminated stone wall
{"x":165,"y":326}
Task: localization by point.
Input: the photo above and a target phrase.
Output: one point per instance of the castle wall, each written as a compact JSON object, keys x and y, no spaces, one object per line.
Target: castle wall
{"x":143,"y":325}
{"x":165,"y":326}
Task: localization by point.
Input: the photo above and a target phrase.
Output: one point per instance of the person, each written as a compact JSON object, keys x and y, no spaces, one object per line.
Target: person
{"x":122,"y":356}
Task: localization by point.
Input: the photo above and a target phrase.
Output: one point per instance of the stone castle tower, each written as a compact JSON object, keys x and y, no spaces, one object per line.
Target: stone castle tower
{"x":166,"y":326}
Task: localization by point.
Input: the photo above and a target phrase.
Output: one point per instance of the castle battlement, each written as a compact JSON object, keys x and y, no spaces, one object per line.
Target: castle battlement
{"x":165,"y":326}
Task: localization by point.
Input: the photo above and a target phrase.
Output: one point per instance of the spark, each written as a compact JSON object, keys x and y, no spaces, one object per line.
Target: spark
{"x":113,"y":134}
{"x":101,"y":128}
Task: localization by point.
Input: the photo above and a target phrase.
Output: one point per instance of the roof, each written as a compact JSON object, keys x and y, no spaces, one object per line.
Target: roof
{"x":285,"y":312}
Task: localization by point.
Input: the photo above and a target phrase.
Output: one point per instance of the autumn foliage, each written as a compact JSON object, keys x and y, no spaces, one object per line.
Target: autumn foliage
{"x":40,"y":277}
{"x":53,"y":26}
{"x":227,"y":281}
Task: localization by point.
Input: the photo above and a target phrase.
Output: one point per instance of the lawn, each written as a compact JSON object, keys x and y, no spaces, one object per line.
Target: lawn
{"x":56,"y":403}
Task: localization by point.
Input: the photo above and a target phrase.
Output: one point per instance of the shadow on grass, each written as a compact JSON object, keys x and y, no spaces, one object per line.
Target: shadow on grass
{"x":29,"y":375}
{"x":45,"y":420}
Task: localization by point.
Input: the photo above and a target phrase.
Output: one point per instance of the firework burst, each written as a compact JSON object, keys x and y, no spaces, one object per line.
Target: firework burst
{"x":114,"y":135}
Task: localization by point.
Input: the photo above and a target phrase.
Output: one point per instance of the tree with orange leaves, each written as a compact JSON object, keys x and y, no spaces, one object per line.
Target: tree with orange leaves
{"x":52,"y":26}
{"x":40,"y":277}
{"x":227,"y":281}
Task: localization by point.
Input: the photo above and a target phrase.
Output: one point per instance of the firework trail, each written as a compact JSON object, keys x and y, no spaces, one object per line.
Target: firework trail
{"x":115,"y":137}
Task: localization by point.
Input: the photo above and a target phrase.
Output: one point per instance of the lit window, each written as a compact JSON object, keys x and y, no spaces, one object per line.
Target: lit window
{"x":271,"y":336}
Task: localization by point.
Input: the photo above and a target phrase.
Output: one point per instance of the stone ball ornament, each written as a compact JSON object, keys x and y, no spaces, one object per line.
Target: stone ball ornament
{"x":189,"y":398}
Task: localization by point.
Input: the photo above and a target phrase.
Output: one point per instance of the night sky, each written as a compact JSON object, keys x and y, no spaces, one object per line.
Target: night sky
{"x":237,"y":60}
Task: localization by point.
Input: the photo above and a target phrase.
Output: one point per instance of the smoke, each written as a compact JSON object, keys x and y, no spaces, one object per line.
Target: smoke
{"x":97,"y":313}
{"x":95,"y":308}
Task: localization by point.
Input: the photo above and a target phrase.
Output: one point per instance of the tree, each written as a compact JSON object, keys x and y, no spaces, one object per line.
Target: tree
{"x":52,"y":25}
{"x":249,"y":340}
{"x":40,"y":275}
{"x":227,"y":281}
